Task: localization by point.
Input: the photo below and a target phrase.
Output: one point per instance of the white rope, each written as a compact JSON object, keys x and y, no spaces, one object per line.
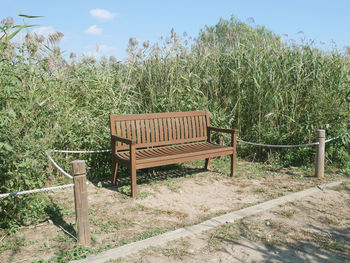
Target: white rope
{"x":37,"y":190}
{"x":57,"y":166}
{"x":289,"y":146}
{"x":69,"y":151}
{"x":334,"y":138}
{"x":278,"y":146}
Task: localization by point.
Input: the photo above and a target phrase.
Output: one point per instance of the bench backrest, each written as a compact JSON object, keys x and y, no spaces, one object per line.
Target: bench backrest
{"x":157,"y":129}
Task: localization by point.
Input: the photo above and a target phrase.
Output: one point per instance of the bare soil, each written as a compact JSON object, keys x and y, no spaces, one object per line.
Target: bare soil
{"x":168,"y":198}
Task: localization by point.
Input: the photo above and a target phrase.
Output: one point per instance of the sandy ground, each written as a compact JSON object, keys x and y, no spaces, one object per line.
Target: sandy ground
{"x":167,"y":199}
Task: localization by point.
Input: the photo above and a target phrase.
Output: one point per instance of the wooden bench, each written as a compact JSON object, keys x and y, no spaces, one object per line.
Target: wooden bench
{"x":149,"y":140}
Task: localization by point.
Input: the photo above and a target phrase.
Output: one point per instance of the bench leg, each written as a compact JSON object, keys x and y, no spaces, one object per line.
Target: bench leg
{"x":234,"y":153}
{"x":233,"y":165}
{"x":114,"y":170}
{"x":207,"y":164}
{"x":133,"y":182}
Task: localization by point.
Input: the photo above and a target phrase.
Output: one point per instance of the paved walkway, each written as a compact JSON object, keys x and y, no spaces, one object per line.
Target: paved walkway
{"x":162,"y":239}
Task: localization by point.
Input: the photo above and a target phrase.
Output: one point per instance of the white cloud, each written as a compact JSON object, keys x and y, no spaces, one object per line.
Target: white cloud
{"x":93,"y":54}
{"x":45,"y":31}
{"x":97,"y":51}
{"x":20,"y":37}
{"x":93,"y":30}
{"x":105,"y":48}
{"x":102,"y":14}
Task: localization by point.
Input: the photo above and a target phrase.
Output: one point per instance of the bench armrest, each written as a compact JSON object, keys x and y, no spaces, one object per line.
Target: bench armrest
{"x":211,"y":128}
{"x":230,"y":131}
{"x":123,"y":140}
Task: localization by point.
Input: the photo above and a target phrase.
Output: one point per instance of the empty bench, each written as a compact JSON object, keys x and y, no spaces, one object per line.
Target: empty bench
{"x":148,"y":140}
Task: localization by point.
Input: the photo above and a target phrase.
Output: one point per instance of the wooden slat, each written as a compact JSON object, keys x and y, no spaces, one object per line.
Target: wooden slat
{"x":193,"y":127}
{"x":154,"y":154}
{"x":151,"y":130}
{"x":197,"y":126}
{"x":122,"y":129}
{"x":169,"y":131}
{"x":112,"y":125}
{"x":133,"y":131}
{"x":157,"y":115}
{"x":182,"y":128}
{"x":201,"y":130}
{"x":173,"y":128}
{"x":123,"y":132}
{"x":117,"y":131}
{"x":205,"y":125}
{"x":143,"y":131}
{"x":150,"y":144}
{"x":138,"y":132}
{"x":147,"y":131}
{"x":207,"y":115}
{"x":165,"y":125}
{"x":186,"y":127}
{"x":156,"y":128}
{"x":161,"y":130}
{"x":181,"y":160}
{"x":178,"y":128}
{"x":128,"y":135}
{"x":117,"y":128}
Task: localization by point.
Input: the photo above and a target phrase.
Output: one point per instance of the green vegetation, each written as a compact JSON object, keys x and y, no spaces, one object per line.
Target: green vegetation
{"x":273,"y":92}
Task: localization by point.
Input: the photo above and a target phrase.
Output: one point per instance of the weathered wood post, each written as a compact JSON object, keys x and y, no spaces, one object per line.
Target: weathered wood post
{"x":349,"y":135}
{"x":81,"y":202}
{"x":320,"y":151}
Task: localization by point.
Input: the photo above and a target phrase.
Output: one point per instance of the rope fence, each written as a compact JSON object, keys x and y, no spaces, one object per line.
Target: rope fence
{"x":289,"y":146}
{"x":48,"y":154}
{"x":37,"y":190}
{"x":276,"y":145}
{"x":69,"y":151}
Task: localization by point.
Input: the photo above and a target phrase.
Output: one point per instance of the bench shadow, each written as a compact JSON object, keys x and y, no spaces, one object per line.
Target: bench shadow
{"x":99,"y":173}
{"x":162,"y":173}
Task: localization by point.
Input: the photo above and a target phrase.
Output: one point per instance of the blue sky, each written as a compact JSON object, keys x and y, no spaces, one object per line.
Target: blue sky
{"x":110,"y":24}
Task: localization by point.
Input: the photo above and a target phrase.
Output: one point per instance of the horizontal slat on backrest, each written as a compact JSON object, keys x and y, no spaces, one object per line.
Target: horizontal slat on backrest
{"x":156,"y":129}
{"x":146,"y":116}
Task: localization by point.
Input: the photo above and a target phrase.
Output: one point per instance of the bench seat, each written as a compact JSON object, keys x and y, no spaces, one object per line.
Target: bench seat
{"x":164,"y":155}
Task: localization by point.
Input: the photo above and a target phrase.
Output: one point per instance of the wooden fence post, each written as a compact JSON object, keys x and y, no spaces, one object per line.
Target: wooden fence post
{"x":320,"y":151}
{"x":81,"y":202}
{"x":349,"y":135}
